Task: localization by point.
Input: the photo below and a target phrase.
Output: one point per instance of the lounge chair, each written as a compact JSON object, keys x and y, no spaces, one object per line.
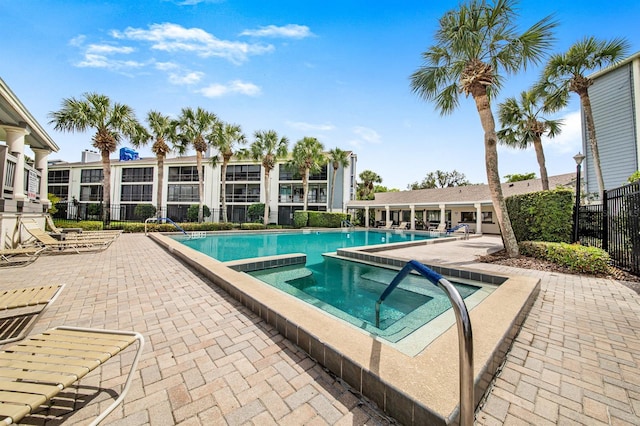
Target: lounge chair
{"x":35,"y":370}
{"x":20,"y":308}
{"x":442,"y":227}
{"x":56,"y":246}
{"x":402,"y":225}
{"x":79,"y":232}
{"x":388,"y":224}
{"x":19,"y":256}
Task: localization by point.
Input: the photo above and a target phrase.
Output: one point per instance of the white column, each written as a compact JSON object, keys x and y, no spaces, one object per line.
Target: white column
{"x":388,"y":216}
{"x":413,"y":216}
{"x":366,"y":216}
{"x":15,"y":142}
{"x":42,"y":166}
{"x":478,"y":207}
{"x":443,"y":220}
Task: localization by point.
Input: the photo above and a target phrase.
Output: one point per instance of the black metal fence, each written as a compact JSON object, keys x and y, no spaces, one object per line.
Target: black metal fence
{"x":614,"y":226}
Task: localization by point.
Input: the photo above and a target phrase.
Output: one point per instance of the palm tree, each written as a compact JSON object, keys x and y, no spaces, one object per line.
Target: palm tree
{"x":193,"y":128}
{"x":338,"y":158}
{"x":367,"y":180}
{"x":475,"y":44}
{"x":162,"y":129}
{"x":565,"y":73}
{"x":111,"y":120}
{"x":224,"y":138}
{"x":524,"y":126}
{"x":308,"y":156}
{"x":266,"y":148}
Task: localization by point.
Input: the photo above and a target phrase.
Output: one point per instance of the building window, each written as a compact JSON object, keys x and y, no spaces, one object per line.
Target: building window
{"x":182,"y":193}
{"x":183,"y":174}
{"x":140,"y":174}
{"x":487,"y":217}
{"x":317,"y":193}
{"x":91,"y":192}
{"x":91,"y":176}
{"x":289,"y":173}
{"x":467,"y":216}
{"x":242,"y":193}
{"x":58,"y":176}
{"x":321,"y":175}
{"x":243,"y":172}
{"x":60,"y":191}
{"x":136,"y":193}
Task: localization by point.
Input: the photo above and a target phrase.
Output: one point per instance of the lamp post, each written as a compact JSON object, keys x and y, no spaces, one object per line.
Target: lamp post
{"x":576,"y":214}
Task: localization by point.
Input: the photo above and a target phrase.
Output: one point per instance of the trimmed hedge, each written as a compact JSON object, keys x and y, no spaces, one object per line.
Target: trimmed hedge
{"x":251,"y":226}
{"x":300,"y":218}
{"x":542,"y":216}
{"x":578,"y":258}
{"x":326,"y":219}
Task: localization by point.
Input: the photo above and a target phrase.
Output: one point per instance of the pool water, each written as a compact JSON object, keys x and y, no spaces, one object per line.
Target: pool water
{"x":349,"y":290}
{"x":226,"y":247}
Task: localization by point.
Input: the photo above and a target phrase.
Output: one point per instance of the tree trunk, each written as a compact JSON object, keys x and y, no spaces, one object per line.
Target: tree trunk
{"x":333,"y":188}
{"x":537,"y":145}
{"x":200,"y":187}
{"x":223,"y":190}
{"x":305,"y":188}
{"x":106,"y":188}
{"x":493,"y":176}
{"x":265,"y":219}
{"x":160,"y":160}
{"x":593,"y":142}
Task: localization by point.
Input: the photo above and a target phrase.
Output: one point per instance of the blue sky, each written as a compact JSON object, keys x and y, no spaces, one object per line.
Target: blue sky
{"x":335,"y":70}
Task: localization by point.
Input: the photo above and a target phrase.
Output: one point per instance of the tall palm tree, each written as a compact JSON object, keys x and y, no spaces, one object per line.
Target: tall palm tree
{"x":338,"y":158}
{"x":225,"y":138}
{"x":308,"y":155}
{"x":476,"y":43}
{"x":266,"y":148}
{"x":162,"y":129}
{"x":111,"y":120}
{"x":565,"y":73}
{"x":193,"y":128}
{"x":523,"y":125}
{"x":368,"y":179}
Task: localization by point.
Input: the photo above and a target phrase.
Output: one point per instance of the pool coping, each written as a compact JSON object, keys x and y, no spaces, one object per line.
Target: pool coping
{"x":421,"y":389}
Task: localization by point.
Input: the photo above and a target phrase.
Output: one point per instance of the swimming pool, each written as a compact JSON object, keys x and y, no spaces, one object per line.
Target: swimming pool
{"x":234,"y":246}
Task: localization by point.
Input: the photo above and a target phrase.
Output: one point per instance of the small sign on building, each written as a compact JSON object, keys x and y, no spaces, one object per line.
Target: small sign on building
{"x":32,"y":189}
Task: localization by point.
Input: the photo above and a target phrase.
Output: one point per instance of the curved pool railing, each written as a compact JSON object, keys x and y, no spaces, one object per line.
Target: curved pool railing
{"x":465,"y":335}
{"x":165,"y":219}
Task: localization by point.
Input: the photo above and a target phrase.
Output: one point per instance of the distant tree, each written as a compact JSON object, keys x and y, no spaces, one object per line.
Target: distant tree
{"x":266,"y":148}
{"x":381,"y":188}
{"x":338,"y":158}
{"x":440,"y":179}
{"x":523,"y":125}
{"x":368,"y":179}
{"x":193,"y":212}
{"x":520,"y":177}
{"x":633,"y":178}
{"x":307,"y":156}
{"x":565,"y":72}
{"x":476,"y":44}
{"x":255,"y":212}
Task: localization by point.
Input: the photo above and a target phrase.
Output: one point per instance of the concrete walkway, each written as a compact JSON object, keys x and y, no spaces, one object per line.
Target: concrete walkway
{"x":208,"y":360}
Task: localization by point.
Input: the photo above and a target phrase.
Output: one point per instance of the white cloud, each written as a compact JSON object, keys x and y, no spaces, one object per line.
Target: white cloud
{"x":570,"y":139}
{"x":367,"y":135}
{"x":101,"y":61}
{"x":287,"y":31}
{"x":237,"y":86}
{"x":105,"y":49}
{"x":176,"y":38}
{"x":310,"y":127}
{"x":179,"y":76}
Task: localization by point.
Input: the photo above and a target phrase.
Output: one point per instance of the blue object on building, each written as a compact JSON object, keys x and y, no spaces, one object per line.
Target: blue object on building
{"x":127,"y":154}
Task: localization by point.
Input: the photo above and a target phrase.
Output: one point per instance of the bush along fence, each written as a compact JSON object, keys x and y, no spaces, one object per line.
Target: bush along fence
{"x":614,"y":226}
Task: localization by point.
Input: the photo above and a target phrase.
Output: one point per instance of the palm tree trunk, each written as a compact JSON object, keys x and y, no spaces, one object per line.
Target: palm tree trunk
{"x":106,"y":188}
{"x":537,"y":145}
{"x":333,"y":188}
{"x":265,"y":219}
{"x":223,"y":190}
{"x":593,"y":142}
{"x":305,"y":188}
{"x":493,"y":176}
{"x":200,"y":187}
{"x":160,"y":160}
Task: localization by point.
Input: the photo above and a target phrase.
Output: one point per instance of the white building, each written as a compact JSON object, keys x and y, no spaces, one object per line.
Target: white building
{"x":135,"y":182}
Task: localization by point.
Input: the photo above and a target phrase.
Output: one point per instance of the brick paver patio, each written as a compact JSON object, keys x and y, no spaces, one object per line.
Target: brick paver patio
{"x":208,"y":360}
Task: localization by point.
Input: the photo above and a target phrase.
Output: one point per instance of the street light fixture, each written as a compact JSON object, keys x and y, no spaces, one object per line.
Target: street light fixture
{"x":576,"y":214}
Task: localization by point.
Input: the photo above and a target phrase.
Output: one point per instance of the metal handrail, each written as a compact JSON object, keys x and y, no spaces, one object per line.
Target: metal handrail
{"x":166,"y":219}
{"x":465,"y":335}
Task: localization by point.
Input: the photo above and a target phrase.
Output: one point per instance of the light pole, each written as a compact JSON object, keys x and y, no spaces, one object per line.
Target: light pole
{"x":576,"y":214}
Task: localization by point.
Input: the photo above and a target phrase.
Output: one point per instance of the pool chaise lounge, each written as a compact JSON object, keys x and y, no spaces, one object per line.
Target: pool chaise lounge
{"x":79,"y":233}
{"x":64,"y":246}
{"x":35,"y":370}
{"x":20,"y":256}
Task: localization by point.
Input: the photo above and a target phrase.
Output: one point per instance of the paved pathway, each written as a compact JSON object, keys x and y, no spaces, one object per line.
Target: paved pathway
{"x":208,"y":360}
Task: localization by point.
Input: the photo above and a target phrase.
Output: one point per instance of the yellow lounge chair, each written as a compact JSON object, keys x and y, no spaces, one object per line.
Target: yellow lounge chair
{"x":20,"y":308}
{"x":19,"y":256}
{"x":57,"y":246}
{"x":79,"y":232}
{"x":37,"y":369}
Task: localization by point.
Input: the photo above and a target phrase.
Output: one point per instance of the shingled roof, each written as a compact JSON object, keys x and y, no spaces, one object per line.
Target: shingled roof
{"x":461,"y":194}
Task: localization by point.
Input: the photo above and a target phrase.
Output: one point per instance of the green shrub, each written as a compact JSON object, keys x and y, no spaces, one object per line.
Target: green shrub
{"x":581,"y":259}
{"x":94,"y":209}
{"x":53,"y":200}
{"x":300,"y":218}
{"x":144,"y":211}
{"x":542,"y":216}
{"x":326,"y":219}
{"x":250,"y":226}
{"x":255,"y":212}
{"x":192,"y":212}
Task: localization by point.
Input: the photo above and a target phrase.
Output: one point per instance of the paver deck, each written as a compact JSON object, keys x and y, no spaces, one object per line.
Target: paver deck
{"x":209,"y":360}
